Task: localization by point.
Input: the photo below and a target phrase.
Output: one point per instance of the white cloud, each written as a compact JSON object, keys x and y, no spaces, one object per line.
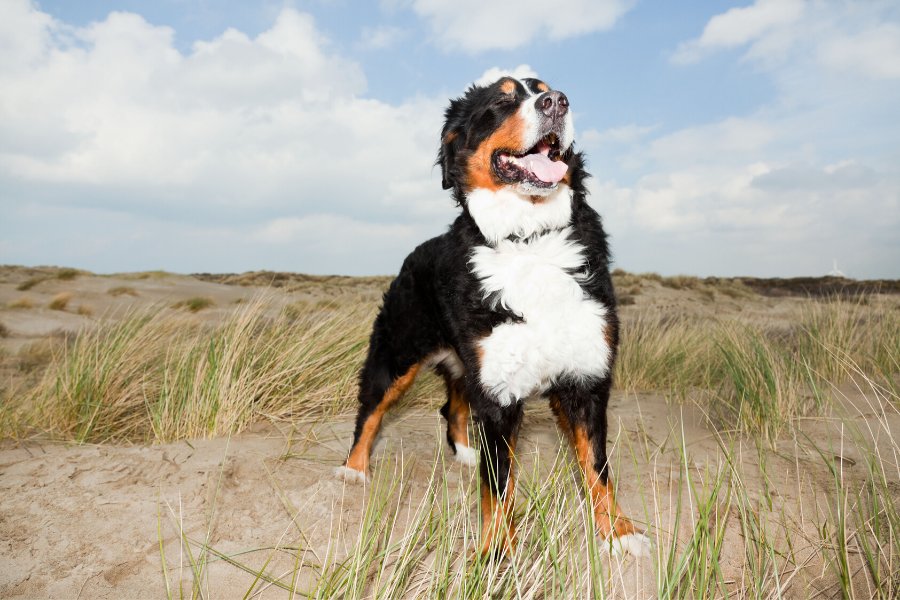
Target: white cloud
{"x":249,"y":133}
{"x":756,"y":219}
{"x":874,"y":51}
{"x":284,"y":230}
{"x":756,"y":196}
{"x":23,"y":35}
{"x":739,"y":26}
{"x":623,"y":134}
{"x":734,"y":137}
{"x":378,"y":38}
{"x":474,"y":26}
{"x":317,"y":243}
{"x":494,"y":73}
{"x":847,"y":37}
{"x":806,"y":177}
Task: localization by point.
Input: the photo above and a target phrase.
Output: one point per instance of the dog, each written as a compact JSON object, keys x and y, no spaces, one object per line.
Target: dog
{"x":514,"y":301}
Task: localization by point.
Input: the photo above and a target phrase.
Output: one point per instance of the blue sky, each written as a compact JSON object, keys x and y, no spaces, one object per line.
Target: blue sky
{"x":724,"y":138}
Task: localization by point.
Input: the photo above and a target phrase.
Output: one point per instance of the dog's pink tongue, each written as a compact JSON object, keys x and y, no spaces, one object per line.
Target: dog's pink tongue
{"x":546,"y":170}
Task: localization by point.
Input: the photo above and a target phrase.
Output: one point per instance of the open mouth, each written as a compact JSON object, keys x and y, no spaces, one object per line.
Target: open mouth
{"x":541,"y":166}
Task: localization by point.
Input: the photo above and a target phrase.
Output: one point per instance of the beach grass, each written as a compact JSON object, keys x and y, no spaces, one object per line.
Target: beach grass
{"x":159,"y":375}
{"x":788,"y":407}
{"x":720,"y":528}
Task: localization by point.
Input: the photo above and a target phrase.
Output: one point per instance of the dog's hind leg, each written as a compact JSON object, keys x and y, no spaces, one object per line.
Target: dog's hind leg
{"x":456,"y":411}
{"x":379,"y":389}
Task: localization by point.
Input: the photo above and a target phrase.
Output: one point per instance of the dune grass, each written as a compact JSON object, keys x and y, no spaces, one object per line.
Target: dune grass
{"x":121,"y":290}
{"x":21,"y":303}
{"x":195,"y":304}
{"x":159,"y":375}
{"x":757,"y":379}
{"x":721,"y":528}
{"x":60,"y":301}
{"x":30,"y":283}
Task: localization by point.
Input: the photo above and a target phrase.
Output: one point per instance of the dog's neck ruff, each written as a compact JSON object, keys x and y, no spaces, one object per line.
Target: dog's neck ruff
{"x":506,"y":215}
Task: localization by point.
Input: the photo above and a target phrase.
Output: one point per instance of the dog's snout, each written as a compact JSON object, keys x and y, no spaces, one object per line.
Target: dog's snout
{"x":553,"y":104}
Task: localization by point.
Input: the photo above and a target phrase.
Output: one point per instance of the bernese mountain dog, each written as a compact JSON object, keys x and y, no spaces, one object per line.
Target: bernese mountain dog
{"x":513,"y":302}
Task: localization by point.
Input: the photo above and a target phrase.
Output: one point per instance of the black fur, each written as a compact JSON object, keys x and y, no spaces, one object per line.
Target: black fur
{"x":436,"y":302}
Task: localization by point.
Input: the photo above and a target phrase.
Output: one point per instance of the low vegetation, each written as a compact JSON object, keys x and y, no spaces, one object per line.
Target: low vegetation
{"x":141,"y":275}
{"x":30,"y":283}
{"x":60,"y":301}
{"x":195,"y":304}
{"x":24,"y":302}
{"x":121,"y":290}
{"x":755,"y":378}
{"x":722,"y":528}
{"x":37,"y":275}
{"x":157,"y":376}
{"x":764,"y":386}
{"x":67,"y":274}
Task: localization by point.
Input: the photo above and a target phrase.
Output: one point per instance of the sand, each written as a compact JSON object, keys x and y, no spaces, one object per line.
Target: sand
{"x":85,"y":520}
{"x":112,"y":521}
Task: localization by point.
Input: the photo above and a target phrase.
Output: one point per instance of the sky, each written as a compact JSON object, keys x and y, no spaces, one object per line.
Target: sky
{"x":723,"y":138}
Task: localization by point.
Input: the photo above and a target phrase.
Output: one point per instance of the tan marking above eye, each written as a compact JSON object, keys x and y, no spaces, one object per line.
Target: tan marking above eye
{"x":508,"y":87}
{"x":542,"y":86}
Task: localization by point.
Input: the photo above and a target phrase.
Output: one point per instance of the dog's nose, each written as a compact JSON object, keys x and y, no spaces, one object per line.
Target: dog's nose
{"x":553,"y":104}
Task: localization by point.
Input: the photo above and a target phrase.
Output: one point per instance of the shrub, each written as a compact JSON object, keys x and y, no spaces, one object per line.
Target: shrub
{"x":60,"y":301}
{"x":195,"y":304}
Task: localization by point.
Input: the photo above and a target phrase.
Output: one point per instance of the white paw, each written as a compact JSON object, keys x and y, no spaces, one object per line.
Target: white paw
{"x":465,"y":455}
{"x":635,"y":544}
{"x":350,"y":475}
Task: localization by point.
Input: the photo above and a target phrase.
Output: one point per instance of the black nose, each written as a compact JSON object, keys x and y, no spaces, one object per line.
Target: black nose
{"x":553,"y":104}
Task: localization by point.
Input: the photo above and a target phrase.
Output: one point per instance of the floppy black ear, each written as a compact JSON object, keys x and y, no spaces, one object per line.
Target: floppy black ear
{"x":447,"y":157}
{"x":452,"y":141}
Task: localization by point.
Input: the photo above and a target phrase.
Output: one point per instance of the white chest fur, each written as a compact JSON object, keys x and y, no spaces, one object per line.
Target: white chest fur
{"x":563,"y":332}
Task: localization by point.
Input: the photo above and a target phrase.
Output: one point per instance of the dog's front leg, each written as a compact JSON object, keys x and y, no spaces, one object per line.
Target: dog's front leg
{"x":499,"y":429}
{"x":581,"y":414}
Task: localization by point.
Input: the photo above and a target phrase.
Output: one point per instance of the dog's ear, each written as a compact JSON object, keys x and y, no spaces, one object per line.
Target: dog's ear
{"x":451,"y":142}
{"x":447,"y":157}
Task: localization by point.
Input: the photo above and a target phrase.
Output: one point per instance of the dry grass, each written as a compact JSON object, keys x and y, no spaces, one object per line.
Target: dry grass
{"x":41,"y":274}
{"x":23,"y":302}
{"x":156,"y":376}
{"x":195,"y":304}
{"x":756,"y":379}
{"x":161,"y":376}
{"x":122,"y":290}
{"x":36,"y":356}
{"x":722,"y":527}
{"x":68,"y":274}
{"x":141,"y":275}
{"x":30,"y":283}
{"x":60,"y":301}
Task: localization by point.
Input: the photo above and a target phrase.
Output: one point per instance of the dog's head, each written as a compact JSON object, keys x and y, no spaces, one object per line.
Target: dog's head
{"x":515,"y":134}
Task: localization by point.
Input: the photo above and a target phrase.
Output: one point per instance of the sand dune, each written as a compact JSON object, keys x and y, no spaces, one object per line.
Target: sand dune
{"x":119,"y":521}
